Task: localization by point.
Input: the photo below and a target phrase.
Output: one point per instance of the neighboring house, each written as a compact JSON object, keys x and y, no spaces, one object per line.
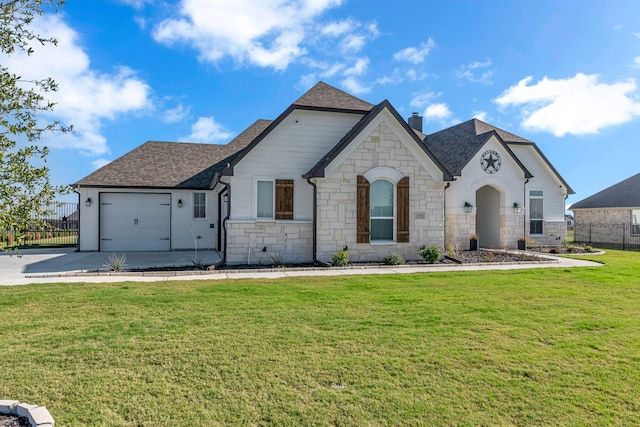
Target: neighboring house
{"x":610,"y":216}
{"x":331,"y":172}
{"x":569,"y":219}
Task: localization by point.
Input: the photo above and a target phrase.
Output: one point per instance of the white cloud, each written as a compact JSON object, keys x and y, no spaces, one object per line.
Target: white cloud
{"x":355,"y":87}
{"x":394,"y":78}
{"x":85,"y":97}
{"x":176,"y":114}
{"x":480,"y":115}
{"x":416,"y":75}
{"x":359,"y":68}
{"x":469,"y":73}
{"x":636,"y":35}
{"x":636,"y":62}
{"x":266,"y":33}
{"x":98,"y":163}
{"x":207,"y":130}
{"x":420,"y":99}
{"x":437,"y":112}
{"x":337,"y":29}
{"x":413,"y":54}
{"x":306,"y":81}
{"x":577,"y":105}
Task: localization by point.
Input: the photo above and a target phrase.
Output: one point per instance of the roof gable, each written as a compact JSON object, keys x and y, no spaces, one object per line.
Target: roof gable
{"x":318,"y":170}
{"x":625,"y":194}
{"x":457,"y":145}
{"x":324,"y":96}
{"x":157,"y":164}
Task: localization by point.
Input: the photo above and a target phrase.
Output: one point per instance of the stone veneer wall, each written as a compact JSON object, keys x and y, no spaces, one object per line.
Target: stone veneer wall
{"x":554,"y":233}
{"x":599,"y":233}
{"x":289,"y":240}
{"x":337,"y":202}
{"x":460,"y":227}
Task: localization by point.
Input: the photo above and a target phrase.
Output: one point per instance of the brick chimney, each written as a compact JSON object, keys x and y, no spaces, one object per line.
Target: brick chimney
{"x":415,"y":122}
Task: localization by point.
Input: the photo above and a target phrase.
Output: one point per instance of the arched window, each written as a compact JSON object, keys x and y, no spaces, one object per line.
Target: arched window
{"x":382,"y":210}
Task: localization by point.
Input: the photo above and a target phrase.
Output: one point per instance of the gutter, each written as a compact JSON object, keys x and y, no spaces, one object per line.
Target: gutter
{"x":316,"y":261}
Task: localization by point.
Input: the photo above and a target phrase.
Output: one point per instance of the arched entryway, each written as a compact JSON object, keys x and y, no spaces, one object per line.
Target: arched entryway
{"x":488,"y":217}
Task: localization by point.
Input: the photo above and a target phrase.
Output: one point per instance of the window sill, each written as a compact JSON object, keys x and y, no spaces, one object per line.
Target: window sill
{"x":382,"y":242}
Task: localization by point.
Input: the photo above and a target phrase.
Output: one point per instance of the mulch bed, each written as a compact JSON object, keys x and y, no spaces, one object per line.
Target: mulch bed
{"x":13,"y":421}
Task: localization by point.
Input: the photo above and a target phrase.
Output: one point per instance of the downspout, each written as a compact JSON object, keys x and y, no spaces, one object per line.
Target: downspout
{"x":316,"y":261}
{"x":524,"y":208}
{"x":227,"y":186}
{"x":78,"y":193}
{"x":220,"y":195}
{"x":444,"y":214}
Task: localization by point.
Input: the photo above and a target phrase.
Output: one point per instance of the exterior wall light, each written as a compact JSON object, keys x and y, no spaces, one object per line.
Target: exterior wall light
{"x":468,"y":207}
{"x":516,"y":207}
{"x":88,"y":201}
{"x":179,"y":203}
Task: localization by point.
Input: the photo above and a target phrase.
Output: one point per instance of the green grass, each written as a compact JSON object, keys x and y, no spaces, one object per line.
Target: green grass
{"x":530,"y":347}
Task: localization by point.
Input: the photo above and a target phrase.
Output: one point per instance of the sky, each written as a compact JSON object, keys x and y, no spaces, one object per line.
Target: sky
{"x":564,"y":74}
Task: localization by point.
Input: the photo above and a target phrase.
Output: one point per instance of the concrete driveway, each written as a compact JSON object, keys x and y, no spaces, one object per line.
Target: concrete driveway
{"x":34,"y":265}
{"x":66,"y":265}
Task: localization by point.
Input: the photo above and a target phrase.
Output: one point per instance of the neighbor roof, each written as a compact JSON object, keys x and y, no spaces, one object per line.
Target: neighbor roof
{"x":157,"y":164}
{"x":625,"y":194}
{"x":456,"y":145}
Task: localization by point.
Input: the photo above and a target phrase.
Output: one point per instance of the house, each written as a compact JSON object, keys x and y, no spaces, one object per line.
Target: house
{"x":611,"y":216}
{"x":331,"y":172}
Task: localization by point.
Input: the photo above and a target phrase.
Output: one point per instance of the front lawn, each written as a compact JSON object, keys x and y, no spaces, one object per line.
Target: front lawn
{"x":528,"y":347}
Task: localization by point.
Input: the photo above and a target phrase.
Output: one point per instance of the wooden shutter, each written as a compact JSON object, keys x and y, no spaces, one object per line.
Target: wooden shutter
{"x":363,"y":212}
{"x":402,"y":210}
{"x":284,"y":199}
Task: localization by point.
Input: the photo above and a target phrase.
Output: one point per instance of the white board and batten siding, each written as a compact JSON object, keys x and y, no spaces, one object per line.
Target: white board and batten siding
{"x":290,"y":150}
{"x":543,"y":179}
{"x":149,"y":220}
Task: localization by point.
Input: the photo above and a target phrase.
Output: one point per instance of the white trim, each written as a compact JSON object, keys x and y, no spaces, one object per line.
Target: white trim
{"x":383,"y":172}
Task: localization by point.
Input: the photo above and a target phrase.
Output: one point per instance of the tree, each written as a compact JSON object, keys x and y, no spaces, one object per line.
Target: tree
{"x":25,"y":187}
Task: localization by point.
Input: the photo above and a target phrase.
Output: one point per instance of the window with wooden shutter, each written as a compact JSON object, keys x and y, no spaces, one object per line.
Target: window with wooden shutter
{"x":284,"y":199}
{"x":402,"y":220}
{"x":362,"y":208}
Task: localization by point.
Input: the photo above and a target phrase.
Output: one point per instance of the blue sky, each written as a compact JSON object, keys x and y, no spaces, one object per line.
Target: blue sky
{"x":564,"y":74}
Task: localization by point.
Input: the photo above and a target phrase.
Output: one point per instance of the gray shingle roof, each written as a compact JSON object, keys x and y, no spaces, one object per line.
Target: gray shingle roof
{"x":324,"y":96}
{"x":171,"y":164}
{"x":625,"y":194}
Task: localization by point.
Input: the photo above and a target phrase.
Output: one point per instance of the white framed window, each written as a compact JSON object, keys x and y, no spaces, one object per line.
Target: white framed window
{"x":199,"y":205}
{"x":536,"y":212}
{"x":265,"y":198}
{"x":635,"y":221}
{"x":382,"y":210}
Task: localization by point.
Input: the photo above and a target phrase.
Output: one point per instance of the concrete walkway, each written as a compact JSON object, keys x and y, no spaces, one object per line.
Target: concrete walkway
{"x":66,"y":265}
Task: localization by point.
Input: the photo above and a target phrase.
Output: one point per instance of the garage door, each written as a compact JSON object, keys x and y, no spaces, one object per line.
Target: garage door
{"x":135,"y":222}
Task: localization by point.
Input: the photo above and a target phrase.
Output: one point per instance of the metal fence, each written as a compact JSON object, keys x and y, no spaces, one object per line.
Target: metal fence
{"x":59,"y":227}
{"x":607,"y":236}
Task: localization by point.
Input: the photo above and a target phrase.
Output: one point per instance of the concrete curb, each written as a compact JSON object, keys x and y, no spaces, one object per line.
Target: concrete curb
{"x":38,"y":416}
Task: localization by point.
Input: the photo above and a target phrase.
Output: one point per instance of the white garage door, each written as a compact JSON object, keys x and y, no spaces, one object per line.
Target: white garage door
{"x":135,"y":222}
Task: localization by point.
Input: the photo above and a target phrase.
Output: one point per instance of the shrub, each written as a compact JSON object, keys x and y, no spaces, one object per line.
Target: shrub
{"x":430,"y":254}
{"x":393,"y":259}
{"x":116,"y":262}
{"x":340,"y":259}
{"x":277,"y":260}
{"x":588,"y":248}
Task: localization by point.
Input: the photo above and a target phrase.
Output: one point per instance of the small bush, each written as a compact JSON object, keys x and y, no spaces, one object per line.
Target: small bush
{"x":393,"y":259}
{"x":340,"y":259}
{"x":277,"y":260}
{"x":116,"y":262}
{"x":430,"y":254}
{"x":588,"y":248}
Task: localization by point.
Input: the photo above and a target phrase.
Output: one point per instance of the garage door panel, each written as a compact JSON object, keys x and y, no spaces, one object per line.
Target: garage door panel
{"x":135,"y":222}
